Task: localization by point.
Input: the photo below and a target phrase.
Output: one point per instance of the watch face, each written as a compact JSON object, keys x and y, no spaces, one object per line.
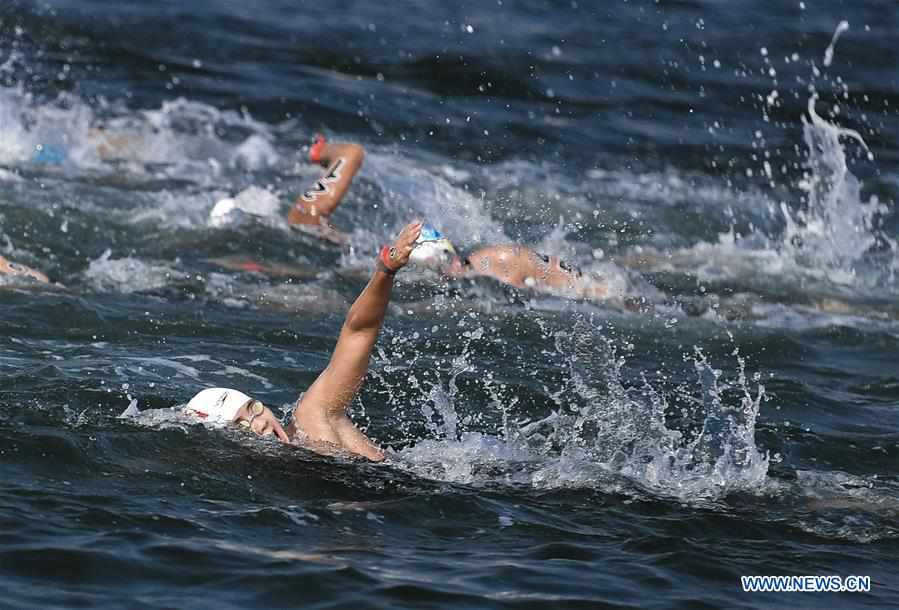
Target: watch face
{"x":256,"y":408}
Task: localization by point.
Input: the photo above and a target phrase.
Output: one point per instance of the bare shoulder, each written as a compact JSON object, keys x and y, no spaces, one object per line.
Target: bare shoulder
{"x":498,"y":252}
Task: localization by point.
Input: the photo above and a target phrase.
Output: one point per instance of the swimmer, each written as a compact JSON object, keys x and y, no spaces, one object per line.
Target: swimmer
{"x":109,"y":147}
{"x":9,"y":268}
{"x":521,"y":267}
{"x":514,"y":265}
{"x":319,"y":420}
{"x":312,"y":210}
{"x":310,"y":213}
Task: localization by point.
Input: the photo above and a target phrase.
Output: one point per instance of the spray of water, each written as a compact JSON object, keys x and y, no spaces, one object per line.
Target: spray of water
{"x":837,"y":228}
{"x":832,"y":236}
{"x":828,"y":52}
{"x":129,"y":274}
{"x":604,"y":429}
{"x":181,"y":139}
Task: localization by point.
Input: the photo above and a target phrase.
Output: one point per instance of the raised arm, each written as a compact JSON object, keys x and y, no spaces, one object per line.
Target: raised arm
{"x":321,"y":415}
{"x":342,"y":162}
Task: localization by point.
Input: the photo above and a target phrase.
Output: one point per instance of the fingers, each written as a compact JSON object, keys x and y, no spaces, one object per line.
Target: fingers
{"x":260,"y":425}
{"x":411,"y":232}
{"x":281,"y":434}
{"x":268,"y":425}
{"x":405,"y":242}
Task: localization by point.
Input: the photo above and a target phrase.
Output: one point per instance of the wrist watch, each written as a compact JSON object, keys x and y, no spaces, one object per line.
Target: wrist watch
{"x":255,"y":409}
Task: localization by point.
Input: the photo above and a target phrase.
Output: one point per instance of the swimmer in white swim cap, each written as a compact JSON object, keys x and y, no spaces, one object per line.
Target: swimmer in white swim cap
{"x":319,"y":418}
{"x":224,"y":405}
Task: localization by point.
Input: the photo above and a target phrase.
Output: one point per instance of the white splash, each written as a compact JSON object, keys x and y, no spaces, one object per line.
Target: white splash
{"x":604,"y":432}
{"x":182,"y":139}
{"x":833,"y":238}
{"x":828,"y":52}
{"x":254,"y":153}
{"x":129,"y":274}
{"x":416,"y":190}
{"x":836,"y":229}
{"x":251,"y":202}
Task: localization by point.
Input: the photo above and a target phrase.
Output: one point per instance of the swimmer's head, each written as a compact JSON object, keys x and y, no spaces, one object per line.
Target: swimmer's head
{"x":217,"y":404}
{"x":223,"y":405}
{"x":432,"y":249}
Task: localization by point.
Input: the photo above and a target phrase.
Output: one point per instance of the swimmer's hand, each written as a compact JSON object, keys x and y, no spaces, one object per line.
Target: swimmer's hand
{"x":398,"y":254}
{"x":264,"y":424}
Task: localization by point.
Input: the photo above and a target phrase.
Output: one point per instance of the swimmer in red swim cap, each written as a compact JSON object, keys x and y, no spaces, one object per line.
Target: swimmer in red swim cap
{"x":311,"y":212}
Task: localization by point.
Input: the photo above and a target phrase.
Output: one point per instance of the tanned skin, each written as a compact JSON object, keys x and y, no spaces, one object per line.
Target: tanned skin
{"x":10,"y":268}
{"x":521,"y":267}
{"x":312,"y":210}
{"x":320,"y":418}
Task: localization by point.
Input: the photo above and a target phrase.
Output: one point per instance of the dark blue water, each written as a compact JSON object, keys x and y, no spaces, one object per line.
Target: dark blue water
{"x":545,"y":452}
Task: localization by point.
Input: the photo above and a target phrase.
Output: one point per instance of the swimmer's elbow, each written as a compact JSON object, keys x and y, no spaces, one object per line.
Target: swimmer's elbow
{"x":355,"y":322}
{"x":361,"y":326}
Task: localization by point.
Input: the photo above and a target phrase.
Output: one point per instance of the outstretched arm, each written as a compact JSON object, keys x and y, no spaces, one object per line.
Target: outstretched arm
{"x":322,"y":413}
{"x":342,"y":162}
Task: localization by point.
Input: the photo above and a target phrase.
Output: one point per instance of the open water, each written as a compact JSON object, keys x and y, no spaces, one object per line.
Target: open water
{"x":733,"y":164}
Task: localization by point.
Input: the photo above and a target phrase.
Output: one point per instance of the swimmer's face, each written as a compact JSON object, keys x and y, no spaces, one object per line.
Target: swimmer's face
{"x":259,"y":419}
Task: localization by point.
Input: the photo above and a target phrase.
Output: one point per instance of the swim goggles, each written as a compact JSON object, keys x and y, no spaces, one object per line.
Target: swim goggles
{"x":255,"y":409}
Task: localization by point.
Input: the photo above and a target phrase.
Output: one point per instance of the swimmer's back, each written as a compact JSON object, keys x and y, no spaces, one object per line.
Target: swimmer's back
{"x":507,"y":263}
{"x":521,"y":267}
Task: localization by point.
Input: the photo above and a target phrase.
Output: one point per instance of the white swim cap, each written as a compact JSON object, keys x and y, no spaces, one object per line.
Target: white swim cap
{"x":247,"y":204}
{"x":219,"y":214}
{"x":217,"y":404}
{"x":431,"y":246}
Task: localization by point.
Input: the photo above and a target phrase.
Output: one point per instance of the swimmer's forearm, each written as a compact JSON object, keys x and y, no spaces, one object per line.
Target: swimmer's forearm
{"x":353,"y":154}
{"x":367,"y":313}
{"x":343,"y":162}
